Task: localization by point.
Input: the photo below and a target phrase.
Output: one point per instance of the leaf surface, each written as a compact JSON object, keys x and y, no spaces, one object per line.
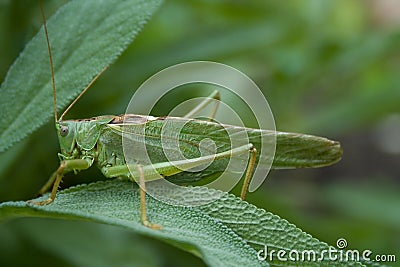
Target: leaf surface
{"x":226,"y":232}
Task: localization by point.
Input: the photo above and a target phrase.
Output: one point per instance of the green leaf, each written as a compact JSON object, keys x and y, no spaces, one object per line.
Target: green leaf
{"x":227,"y":232}
{"x":85,"y":36}
{"x":261,"y":228}
{"x":117,"y":203}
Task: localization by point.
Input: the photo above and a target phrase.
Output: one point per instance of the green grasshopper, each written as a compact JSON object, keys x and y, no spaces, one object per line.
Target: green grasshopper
{"x":98,"y":140}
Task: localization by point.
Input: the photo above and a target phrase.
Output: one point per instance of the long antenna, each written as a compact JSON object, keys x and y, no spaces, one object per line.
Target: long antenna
{"x":51,"y":62}
{"x":83,"y":92}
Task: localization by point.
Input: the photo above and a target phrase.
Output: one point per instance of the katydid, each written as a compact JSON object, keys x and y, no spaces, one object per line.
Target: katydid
{"x":98,"y":140}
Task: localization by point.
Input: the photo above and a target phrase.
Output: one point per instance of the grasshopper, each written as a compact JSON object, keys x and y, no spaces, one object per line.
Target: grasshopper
{"x":98,"y":140}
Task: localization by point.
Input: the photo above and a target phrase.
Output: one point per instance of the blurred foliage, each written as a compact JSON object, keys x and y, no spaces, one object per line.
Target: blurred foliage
{"x":326,"y":67}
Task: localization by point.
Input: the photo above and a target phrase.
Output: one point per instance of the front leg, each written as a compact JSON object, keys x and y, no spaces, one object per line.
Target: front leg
{"x":65,"y":166}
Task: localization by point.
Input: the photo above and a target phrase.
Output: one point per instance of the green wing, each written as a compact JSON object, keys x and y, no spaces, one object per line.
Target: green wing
{"x":292,"y":150}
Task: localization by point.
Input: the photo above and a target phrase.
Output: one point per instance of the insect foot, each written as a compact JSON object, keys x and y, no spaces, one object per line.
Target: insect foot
{"x":41,"y":203}
{"x":152,"y":225}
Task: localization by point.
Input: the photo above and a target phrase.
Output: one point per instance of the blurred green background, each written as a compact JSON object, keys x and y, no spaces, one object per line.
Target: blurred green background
{"x":328,"y":68}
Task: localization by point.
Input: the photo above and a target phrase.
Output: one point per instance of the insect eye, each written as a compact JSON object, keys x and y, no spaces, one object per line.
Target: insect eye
{"x":63,"y":131}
